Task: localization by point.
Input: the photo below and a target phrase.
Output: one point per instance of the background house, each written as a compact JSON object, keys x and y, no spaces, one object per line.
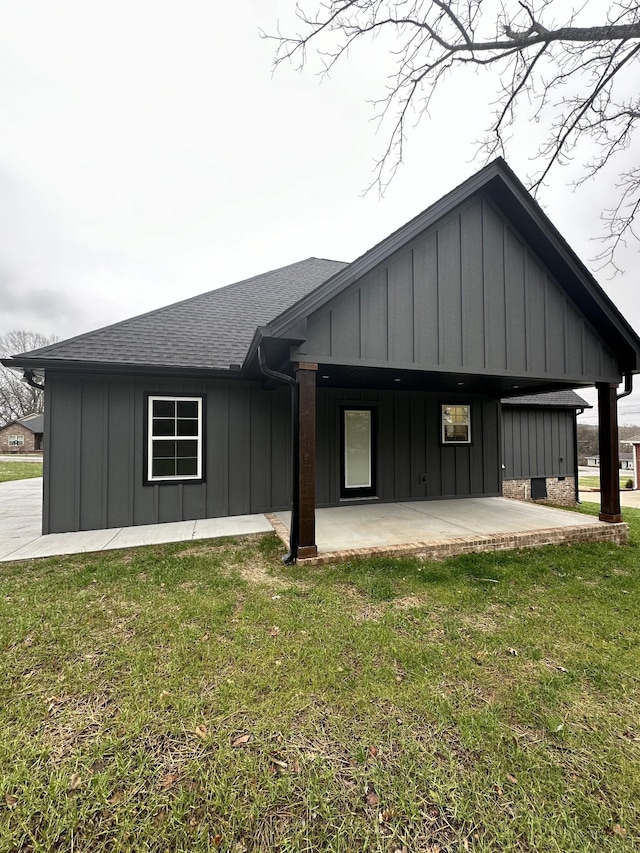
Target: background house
{"x":23,"y":436}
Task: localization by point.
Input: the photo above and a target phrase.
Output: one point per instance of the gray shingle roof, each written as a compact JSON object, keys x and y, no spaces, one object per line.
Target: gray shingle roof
{"x":209,"y":331}
{"x":33,"y":422}
{"x":557,"y":399}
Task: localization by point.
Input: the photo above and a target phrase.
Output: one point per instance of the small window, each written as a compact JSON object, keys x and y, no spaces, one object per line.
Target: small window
{"x":174,"y":439}
{"x":456,"y":424}
{"x":16,"y":441}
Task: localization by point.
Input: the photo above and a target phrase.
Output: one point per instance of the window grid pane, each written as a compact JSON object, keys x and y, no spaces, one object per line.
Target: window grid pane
{"x":175,"y":438}
{"x":456,"y":424}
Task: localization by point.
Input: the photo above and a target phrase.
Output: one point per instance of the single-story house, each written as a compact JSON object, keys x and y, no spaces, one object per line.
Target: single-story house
{"x":635,"y":456}
{"x":323,"y":383}
{"x":625,"y":460}
{"x":23,"y":435}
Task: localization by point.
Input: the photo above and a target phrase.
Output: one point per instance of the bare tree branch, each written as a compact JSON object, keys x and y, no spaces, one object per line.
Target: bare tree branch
{"x":575,"y":77}
{"x":18,"y":399}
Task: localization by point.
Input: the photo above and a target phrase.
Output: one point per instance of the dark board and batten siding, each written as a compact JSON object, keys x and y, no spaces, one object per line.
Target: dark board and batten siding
{"x":467,"y":295}
{"x":95,"y":454}
{"x":538,"y":443}
{"x":95,"y":451}
{"x":408,"y":439}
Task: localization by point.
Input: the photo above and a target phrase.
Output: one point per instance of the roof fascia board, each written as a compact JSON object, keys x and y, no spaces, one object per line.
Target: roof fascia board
{"x":296,"y":336}
{"x":569,"y":257}
{"x":63,"y":366}
{"x":545,"y":406}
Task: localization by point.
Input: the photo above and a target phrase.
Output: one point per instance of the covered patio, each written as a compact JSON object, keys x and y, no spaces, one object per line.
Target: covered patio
{"x":443,"y":528}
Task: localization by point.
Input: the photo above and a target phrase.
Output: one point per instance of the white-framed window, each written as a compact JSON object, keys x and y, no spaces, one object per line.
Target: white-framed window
{"x":456,"y":424}
{"x":174,"y":438}
{"x":16,"y":441}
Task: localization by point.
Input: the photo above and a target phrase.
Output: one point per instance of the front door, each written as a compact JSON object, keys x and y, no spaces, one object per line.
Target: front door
{"x":357,"y":452}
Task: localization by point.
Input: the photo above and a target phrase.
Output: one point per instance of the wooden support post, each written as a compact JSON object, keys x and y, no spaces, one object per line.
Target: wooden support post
{"x":306,"y":376}
{"x":609,"y":460}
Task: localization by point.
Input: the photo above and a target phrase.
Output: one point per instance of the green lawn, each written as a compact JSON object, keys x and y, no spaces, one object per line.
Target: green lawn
{"x":593,"y":482}
{"x":19,"y":470}
{"x":199,"y":696}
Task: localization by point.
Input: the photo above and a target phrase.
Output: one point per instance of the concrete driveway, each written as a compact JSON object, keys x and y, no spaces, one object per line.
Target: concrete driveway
{"x":20,"y":514}
{"x":21,"y":539}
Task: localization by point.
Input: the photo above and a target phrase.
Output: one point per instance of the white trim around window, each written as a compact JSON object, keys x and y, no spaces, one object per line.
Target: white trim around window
{"x":16,"y":441}
{"x":175,"y":430}
{"x":456,"y":423}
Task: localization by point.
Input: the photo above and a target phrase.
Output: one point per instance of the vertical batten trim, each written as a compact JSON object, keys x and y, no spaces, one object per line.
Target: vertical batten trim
{"x":545,"y":333}
{"x":505,"y":290}
{"x":387,"y":299}
{"x":227,"y":454}
{"x":78,"y":455}
{"x":131,"y":451}
{"x":359,"y":301}
{"x":413,"y":303}
{"x":105,"y":453}
{"x":565,"y":336}
{"x":438,"y":305}
{"x":461,"y":289}
{"x":485,"y":361}
{"x":525,"y":294}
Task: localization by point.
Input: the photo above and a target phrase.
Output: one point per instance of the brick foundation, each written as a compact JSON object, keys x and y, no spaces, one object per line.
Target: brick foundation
{"x":440,"y":549}
{"x":559,"y":492}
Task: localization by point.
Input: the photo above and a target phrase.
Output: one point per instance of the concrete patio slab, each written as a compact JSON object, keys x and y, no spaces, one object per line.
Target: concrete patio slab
{"x":442,"y":528}
{"x":59,"y":544}
{"x":20,"y":524}
{"x":235,"y":525}
{"x":153,"y":534}
{"x":20,"y":514}
{"x":430,"y":528}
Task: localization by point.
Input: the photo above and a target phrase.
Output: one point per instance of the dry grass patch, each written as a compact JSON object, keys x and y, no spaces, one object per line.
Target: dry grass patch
{"x":72,"y":721}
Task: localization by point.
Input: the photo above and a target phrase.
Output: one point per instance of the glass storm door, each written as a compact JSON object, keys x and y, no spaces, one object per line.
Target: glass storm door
{"x":358,"y":468}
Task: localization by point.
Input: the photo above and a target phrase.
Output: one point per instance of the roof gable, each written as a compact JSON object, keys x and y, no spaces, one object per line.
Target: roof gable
{"x":498,"y":184}
{"x":465,"y":295}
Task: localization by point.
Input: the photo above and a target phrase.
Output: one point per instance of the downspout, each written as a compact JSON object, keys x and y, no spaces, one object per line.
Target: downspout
{"x":576,"y":472}
{"x":628,"y":388}
{"x":294,"y":531}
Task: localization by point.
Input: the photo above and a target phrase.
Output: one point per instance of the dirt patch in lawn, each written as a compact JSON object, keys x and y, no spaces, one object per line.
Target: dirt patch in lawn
{"x":71,"y":721}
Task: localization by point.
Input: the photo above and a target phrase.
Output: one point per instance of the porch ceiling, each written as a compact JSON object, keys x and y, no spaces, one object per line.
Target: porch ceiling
{"x":445,"y":527}
{"x":379,"y":378}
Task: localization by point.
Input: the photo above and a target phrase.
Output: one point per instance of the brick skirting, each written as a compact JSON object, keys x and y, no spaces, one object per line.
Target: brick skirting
{"x":559,"y":492}
{"x":440,"y":549}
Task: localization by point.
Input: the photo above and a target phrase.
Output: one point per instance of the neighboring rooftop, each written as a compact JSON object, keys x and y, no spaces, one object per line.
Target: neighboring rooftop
{"x":34,"y":422}
{"x":554,"y":399}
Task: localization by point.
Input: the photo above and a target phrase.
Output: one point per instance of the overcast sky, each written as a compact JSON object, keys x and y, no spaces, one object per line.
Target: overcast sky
{"x":147,"y":154}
